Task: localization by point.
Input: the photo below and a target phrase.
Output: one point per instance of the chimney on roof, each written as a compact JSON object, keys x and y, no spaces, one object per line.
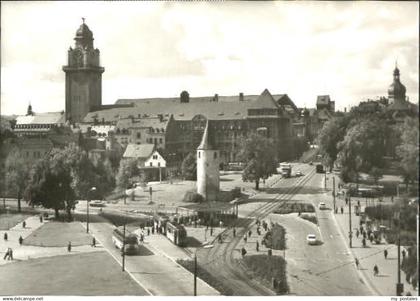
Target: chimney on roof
{"x":216,"y":97}
{"x":241,"y":96}
{"x":160,"y":117}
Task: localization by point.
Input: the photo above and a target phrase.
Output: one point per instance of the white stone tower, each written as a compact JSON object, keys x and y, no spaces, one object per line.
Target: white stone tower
{"x":208,"y":166}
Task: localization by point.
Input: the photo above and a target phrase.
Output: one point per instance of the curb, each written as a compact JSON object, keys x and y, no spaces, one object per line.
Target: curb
{"x":170,"y":258}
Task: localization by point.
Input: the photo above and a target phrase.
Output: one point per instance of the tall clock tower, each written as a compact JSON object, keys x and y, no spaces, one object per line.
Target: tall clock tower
{"x":83,"y":77}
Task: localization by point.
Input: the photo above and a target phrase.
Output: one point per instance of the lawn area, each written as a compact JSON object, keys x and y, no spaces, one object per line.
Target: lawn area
{"x":8,"y":221}
{"x":206,"y":277}
{"x":89,"y":274}
{"x":266,"y":268}
{"x":58,"y":234}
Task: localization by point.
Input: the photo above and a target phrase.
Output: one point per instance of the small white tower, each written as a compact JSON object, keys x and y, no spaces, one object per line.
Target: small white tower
{"x":208,"y":166}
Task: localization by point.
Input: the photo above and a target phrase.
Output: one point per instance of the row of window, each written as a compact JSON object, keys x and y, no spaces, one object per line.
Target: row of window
{"x":34,"y":126}
{"x":127,"y":132}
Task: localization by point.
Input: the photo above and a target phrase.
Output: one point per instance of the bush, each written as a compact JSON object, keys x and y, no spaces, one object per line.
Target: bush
{"x":407,"y":238}
{"x":193,"y":197}
{"x":268,"y":267}
{"x":295,"y":207}
{"x":119,"y":220}
{"x":236,"y":192}
{"x":275,"y":238}
{"x":311,"y":218}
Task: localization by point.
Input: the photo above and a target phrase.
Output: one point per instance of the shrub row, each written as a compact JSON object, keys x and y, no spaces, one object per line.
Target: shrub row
{"x":275,"y":238}
{"x":295,"y":207}
{"x":269,"y":268}
{"x":311,"y":218}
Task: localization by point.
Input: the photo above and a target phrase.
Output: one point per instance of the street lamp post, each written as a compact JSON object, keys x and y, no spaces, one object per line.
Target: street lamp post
{"x":195,"y":266}
{"x":87,"y":208}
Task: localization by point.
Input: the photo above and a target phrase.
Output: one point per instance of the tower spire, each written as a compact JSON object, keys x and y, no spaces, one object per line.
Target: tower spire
{"x":83,"y":20}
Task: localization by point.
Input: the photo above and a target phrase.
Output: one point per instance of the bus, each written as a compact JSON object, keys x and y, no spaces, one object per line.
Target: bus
{"x":286,"y":169}
{"x":176,"y":233}
{"x":131,"y":241}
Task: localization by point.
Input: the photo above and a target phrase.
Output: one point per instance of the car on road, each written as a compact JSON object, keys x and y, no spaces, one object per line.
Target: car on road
{"x":299,"y":173}
{"x":322,"y":206}
{"x":311,"y":239}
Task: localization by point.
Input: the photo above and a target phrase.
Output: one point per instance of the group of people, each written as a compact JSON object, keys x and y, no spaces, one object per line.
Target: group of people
{"x":264,"y":225}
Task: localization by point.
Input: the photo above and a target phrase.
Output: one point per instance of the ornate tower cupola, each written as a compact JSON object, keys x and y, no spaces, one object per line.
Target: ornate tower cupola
{"x":83,"y":76}
{"x":29,"y":110}
{"x":396,"y":91}
{"x":208,"y":166}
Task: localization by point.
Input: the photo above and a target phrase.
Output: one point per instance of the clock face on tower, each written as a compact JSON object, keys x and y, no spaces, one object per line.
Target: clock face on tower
{"x":78,"y":55}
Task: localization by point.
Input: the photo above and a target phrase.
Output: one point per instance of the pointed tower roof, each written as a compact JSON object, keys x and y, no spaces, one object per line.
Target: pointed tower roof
{"x":207,"y":142}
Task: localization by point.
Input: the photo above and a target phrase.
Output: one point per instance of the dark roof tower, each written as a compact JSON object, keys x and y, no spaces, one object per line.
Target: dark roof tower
{"x":396,"y":91}
{"x":207,"y":142}
{"x":84,"y":36}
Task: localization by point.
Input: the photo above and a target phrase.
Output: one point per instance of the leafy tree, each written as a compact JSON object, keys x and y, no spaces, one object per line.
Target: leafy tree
{"x":17,"y":175}
{"x":330,"y":135}
{"x":362,"y":149}
{"x":189,"y":167}
{"x":105,"y":177}
{"x":259,"y":155}
{"x":62,"y":177}
{"x":127,"y":171}
{"x":408,"y":150}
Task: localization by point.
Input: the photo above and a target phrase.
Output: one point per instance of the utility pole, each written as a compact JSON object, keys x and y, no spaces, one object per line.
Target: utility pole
{"x":123,"y":250}
{"x":87,"y":215}
{"x":334,"y":192}
{"x":195,"y":274}
{"x":400,"y":286}
{"x":350,"y":231}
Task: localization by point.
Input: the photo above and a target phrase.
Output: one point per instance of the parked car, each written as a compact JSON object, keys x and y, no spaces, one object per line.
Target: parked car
{"x":311,"y":239}
{"x":322,"y":206}
{"x":299,"y":173}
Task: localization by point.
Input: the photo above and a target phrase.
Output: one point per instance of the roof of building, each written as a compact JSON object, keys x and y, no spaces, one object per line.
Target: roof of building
{"x":142,"y":151}
{"x":227,"y":108}
{"x":42,"y":118}
{"x":207,"y":141}
{"x":323,"y":99}
{"x":143,"y":122}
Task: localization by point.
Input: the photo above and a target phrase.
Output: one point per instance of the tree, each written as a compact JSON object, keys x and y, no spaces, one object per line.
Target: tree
{"x":259,"y":155}
{"x":105,"y":177}
{"x":127,"y":171}
{"x":362,"y":149}
{"x":60,"y":178}
{"x":330,"y":135}
{"x":408,"y":150}
{"x":17,"y":174}
{"x":189,"y":167}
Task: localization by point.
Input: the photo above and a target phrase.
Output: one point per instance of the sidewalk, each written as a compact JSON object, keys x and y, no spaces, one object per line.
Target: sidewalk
{"x":24,"y":252}
{"x":385,"y":283}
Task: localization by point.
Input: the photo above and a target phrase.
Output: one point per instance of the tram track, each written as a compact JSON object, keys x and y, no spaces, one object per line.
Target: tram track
{"x":220,"y":260}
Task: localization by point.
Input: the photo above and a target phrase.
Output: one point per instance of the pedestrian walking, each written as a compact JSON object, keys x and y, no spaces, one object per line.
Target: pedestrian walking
{"x":258,"y":230}
{"x":211,"y":231}
{"x":336,"y":210}
{"x":40,"y":218}
{"x":221,"y":224}
{"x":141,"y":237}
{"x":69,"y":247}
{"x":153,"y":230}
{"x":358,"y":203}
{"x":403,"y":254}
{"x":5,"y":237}
{"x":347,"y":201}
{"x":10,"y":254}
{"x":371,"y":238}
{"x":6,"y":254}
{"x":245,"y":238}
{"x":93,"y":242}
{"x":375,"y":270}
{"x":364,"y":242}
{"x":24,"y":224}
{"x":249,"y":233}
{"x":148,"y":231}
{"x":257,"y":247}
{"x":219,"y":237}
{"x":357,"y":233}
{"x":20,"y":240}
{"x":342,"y":210}
{"x":357,"y":263}
{"x":243,"y":251}
{"x":385,"y":253}
{"x":234,"y":232}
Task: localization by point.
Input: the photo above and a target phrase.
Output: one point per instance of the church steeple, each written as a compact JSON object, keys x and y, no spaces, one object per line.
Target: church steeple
{"x":396,"y":91}
{"x":29,"y":110}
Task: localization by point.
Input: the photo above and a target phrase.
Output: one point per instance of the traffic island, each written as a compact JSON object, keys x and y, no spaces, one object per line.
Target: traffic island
{"x":206,"y":277}
{"x":269,"y":270}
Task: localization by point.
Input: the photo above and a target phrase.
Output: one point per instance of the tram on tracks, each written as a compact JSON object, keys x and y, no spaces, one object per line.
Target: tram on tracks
{"x":174,"y":231}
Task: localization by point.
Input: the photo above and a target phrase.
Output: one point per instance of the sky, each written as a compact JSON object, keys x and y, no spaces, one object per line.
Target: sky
{"x":158,"y":49}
